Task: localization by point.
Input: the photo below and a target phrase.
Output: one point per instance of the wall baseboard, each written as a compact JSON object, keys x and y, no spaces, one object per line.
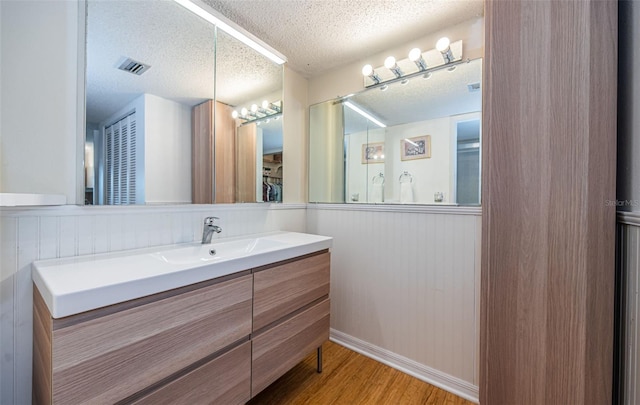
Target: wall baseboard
{"x":420,"y":371}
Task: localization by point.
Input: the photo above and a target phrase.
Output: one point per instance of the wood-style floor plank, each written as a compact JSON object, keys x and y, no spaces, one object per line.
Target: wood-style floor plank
{"x":349,"y":378}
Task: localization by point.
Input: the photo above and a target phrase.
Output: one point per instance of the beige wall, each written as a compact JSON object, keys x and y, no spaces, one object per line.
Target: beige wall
{"x":348,"y":78}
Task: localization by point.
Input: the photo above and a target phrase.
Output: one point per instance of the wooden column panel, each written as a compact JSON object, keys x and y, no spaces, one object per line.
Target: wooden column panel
{"x":549,"y":151}
{"x":202,"y":153}
{"x":42,"y":358}
{"x":213,"y":153}
{"x":246,"y":159}
{"x":225,"y":154}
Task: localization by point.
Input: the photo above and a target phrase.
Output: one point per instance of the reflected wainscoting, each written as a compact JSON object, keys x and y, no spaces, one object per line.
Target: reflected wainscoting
{"x":40,"y":233}
{"x":405,"y":287}
{"x":629,"y":286}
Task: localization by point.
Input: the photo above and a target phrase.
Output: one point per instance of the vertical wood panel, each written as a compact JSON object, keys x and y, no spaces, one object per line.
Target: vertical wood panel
{"x":246,"y":164}
{"x":225,"y":154}
{"x":202,"y":153}
{"x":548,"y":237}
{"x":42,"y":357}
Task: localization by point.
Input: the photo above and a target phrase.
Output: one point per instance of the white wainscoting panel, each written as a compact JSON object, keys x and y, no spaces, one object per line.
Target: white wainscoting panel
{"x":29,"y":234}
{"x":629,"y":263}
{"x":406,"y":281}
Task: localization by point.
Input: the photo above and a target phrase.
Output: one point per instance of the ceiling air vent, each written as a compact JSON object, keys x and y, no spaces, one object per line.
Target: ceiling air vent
{"x":132,"y":66}
{"x":473,"y":87}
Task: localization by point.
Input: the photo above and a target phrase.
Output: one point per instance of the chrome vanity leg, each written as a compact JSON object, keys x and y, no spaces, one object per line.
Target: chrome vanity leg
{"x":319,"y":366}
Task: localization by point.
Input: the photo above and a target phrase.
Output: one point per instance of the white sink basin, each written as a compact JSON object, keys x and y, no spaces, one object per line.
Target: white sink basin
{"x":219,"y":250}
{"x":78,"y":284}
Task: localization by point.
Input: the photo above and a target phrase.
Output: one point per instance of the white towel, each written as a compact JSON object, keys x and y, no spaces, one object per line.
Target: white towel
{"x":377,"y":193}
{"x":406,"y":192}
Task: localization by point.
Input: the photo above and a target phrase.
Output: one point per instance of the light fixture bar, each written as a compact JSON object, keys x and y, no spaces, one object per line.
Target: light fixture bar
{"x":256,"y":113}
{"x":364,"y":114}
{"x":232,"y":29}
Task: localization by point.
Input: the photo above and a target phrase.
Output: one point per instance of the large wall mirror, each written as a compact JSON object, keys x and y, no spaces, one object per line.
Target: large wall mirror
{"x":162,"y":85}
{"x":409,"y":142}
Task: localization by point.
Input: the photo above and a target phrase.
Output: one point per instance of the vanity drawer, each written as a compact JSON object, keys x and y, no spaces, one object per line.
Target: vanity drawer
{"x":278,"y":349}
{"x":111,"y":357}
{"x":280,"y":290}
{"x":223,"y":380}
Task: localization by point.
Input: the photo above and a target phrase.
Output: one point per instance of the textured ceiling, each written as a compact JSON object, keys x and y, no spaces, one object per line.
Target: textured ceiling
{"x":318,"y":35}
{"x":315,"y":35}
{"x":179,"y":46}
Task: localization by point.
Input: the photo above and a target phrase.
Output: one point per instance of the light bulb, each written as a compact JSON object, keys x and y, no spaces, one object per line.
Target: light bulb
{"x":443,"y":44}
{"x":265,"y":104}
{"x":234,"y":114}
{"x":254,"y":108}
{"x":415,"y":54}
{"x":367,"y":70}
{"x":384,"y":87}
{"x":267,"y":121}
{"x":243,"y":112}
{"x":390,"y":62}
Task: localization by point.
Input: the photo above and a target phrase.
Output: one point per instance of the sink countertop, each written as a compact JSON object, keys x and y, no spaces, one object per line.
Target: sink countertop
{"x":73,"y":285}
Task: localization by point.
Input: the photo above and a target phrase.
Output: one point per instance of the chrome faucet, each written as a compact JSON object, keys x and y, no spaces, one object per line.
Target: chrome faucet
{"x":209,"y":229}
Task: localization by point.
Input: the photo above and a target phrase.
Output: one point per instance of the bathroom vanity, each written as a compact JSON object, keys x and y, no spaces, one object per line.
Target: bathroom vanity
{"x":197,"y":324}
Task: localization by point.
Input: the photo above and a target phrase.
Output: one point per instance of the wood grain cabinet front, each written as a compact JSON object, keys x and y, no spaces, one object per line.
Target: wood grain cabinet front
{"x":280,"y":290}
{"x":108,"y":358}
{"x":224,"y":380}
{"x":220,"y":341}
{"x":290,"y":315}
{"x":278,"y":349}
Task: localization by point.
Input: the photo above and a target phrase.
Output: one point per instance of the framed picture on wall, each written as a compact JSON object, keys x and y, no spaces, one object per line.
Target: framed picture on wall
{"x":418,"y":147}
{"x":373,"y":152}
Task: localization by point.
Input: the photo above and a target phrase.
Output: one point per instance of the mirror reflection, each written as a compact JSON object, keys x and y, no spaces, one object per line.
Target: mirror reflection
{"x":412,"y":143}
{"x":250,"y":85}
{"x":153,"y":72}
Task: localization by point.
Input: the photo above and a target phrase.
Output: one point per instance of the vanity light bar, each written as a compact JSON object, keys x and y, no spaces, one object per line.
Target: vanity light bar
{"x":364,"y":114}
{"x":446,"y":53}
{"x":239,"y":33}
{"x":266,"y":111}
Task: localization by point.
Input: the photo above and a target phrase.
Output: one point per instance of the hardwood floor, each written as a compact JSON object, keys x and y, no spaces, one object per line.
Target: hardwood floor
{"x":350,"y":378}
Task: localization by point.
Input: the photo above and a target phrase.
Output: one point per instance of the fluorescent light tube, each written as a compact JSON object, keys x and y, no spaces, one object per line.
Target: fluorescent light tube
{"x":364,"y":114}
{"x":235,"y":31}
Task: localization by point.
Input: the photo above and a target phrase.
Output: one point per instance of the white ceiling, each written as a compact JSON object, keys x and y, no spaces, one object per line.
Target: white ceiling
{"x":318,"y":35}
